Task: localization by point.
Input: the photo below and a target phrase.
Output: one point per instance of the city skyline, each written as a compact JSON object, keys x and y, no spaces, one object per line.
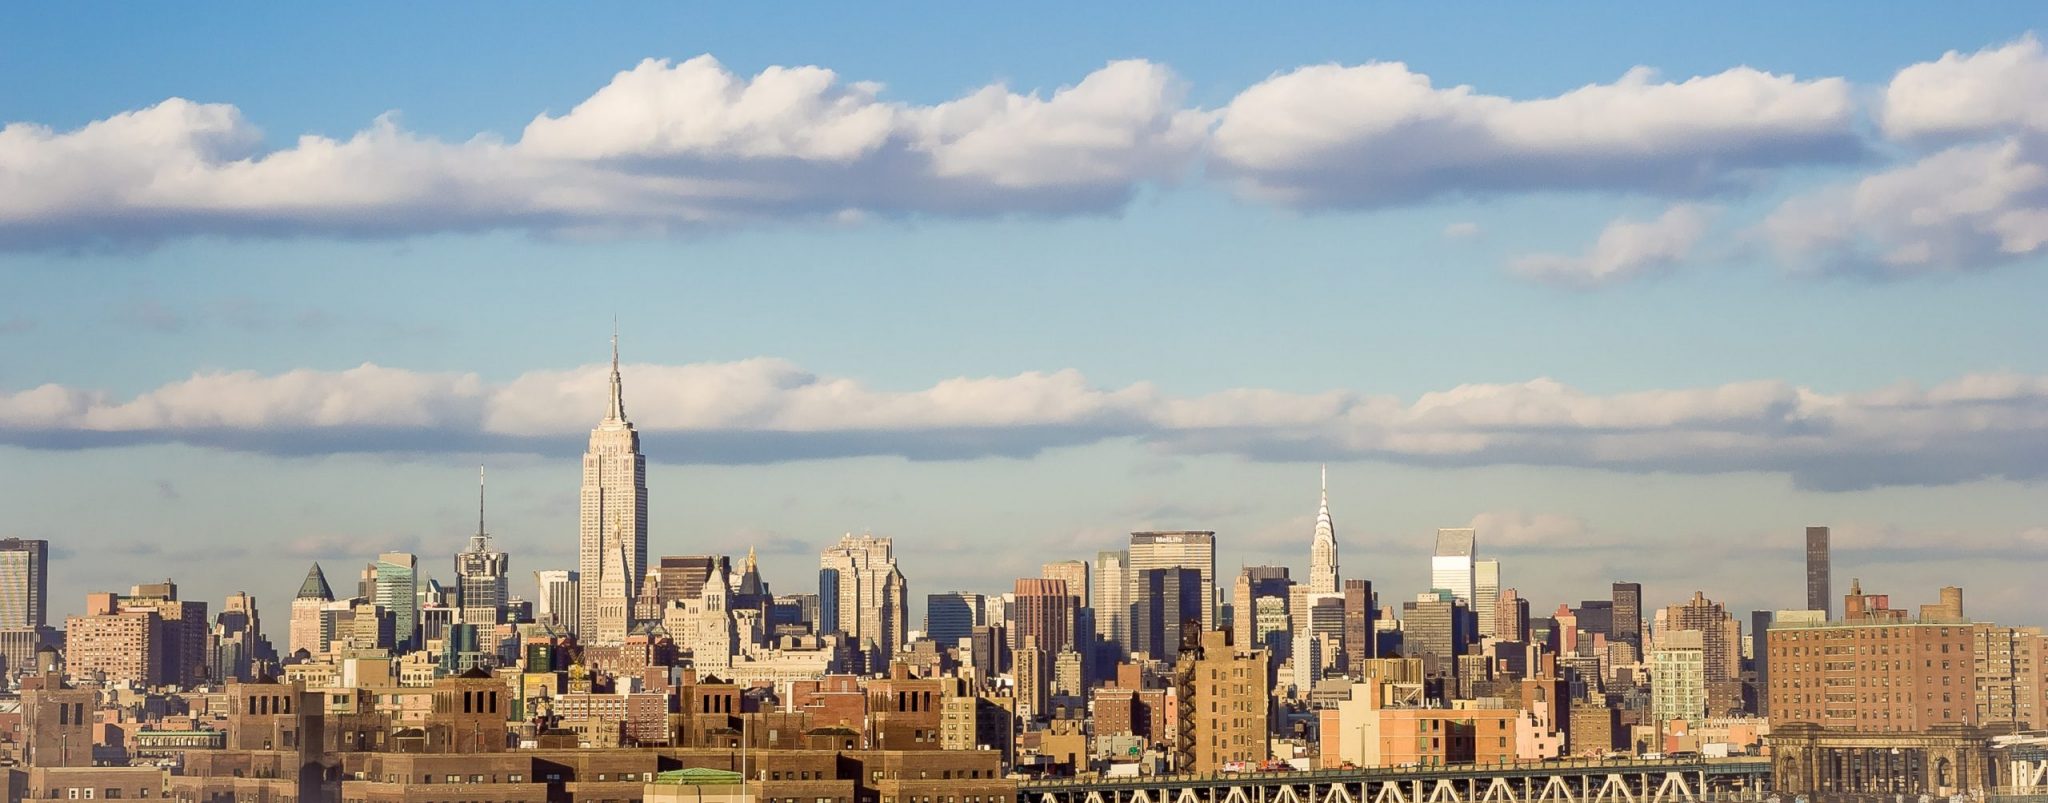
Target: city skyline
{"x":1575,"y":349}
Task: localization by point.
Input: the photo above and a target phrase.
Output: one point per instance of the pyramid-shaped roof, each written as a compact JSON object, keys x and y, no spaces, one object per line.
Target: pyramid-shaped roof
{"x":315,"y":586}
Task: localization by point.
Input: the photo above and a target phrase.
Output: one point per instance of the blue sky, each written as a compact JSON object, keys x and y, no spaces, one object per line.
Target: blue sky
{"x":1628,"y":326}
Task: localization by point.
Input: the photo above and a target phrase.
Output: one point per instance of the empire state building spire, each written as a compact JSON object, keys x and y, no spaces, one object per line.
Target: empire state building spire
{"x":1322,"y":571}
{"x":617,"y":410}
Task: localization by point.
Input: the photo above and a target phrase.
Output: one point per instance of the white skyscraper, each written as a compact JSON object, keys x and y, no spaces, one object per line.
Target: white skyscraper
{"x":1450,"y":568}
{"x":1322,"y":565}
{"x":1486,"y":593}
{"x":559,"y":598}
{"x":308,"y":633}
{"x":870,"y":600}
{"x":1112,"y":597}
{"x":614,"y":516}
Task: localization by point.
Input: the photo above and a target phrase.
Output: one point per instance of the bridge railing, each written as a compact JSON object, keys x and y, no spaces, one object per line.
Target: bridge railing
{"x":1749,"y":765}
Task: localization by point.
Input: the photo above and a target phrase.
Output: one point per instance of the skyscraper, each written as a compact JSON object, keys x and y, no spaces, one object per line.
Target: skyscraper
{"x":683,"y":576}
{"x":397,"y":591}
{"x":24,"y":582}
{"x":870,"y":600}
{"x":307,"y":633}
{"x":1255,"y":584}
{"x":614,"y":505}
{"x":237,"y":644}
{"x":1181,"y":549}
{"x":1450,"y":567}
{"x":1322,"y":563}
{"x":1628,"y":614}
{"x":1485,"y":593}
{"x":1359,"y":641}
{"x":558,"y":597}
{"x":1721,"y":646}
{"x":952,"y":616}
{"x":480,"y":572}
{"x":1075,"y":574}
{"x":1044,"y":612}
{"x":1163,"y":599}
{"x":1112,"y":600}
{"x":1511,"y":617}
{"x":1436,"y":623}
{"x":1817,"y":572}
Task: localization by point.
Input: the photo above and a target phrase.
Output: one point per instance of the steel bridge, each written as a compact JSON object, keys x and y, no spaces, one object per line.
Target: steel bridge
{"x":1670,"y":781}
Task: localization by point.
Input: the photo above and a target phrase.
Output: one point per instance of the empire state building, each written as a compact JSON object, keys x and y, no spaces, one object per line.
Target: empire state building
{"x":614,"y":520}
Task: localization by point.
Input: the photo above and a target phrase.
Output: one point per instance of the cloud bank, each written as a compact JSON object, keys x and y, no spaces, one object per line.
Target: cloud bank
{"x":667,"y":147}
{"x":1381,"y":134}
{"x":768,"y":410}
{"x":662,"y":147}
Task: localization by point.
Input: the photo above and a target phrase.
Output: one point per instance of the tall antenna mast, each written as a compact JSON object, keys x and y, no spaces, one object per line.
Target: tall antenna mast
{"x":480,"y":501}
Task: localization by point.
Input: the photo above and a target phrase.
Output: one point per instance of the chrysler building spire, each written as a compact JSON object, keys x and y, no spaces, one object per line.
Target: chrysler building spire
{"x":1322,"y":571}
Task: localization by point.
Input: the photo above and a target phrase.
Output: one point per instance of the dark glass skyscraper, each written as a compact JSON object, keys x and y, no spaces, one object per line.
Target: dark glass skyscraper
{"x":1628,"y":614}
{"x":1817,"y":572}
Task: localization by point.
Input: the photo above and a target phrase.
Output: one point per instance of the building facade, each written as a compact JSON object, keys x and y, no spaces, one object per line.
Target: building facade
{"x":24,"y":583}
{"x":869,"y":597}
{"x":1450,"y":566}
{"x":1876,"y":670}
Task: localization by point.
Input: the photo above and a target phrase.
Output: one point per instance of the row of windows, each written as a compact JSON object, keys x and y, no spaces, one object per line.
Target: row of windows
{"x":88,"y":793}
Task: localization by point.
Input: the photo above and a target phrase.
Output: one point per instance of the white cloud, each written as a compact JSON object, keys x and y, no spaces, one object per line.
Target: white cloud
{"x":1380,"y":133}
{"x":1627,"y":249}
{"x":1995,"y":90}
{"x":663,"y":146}
{"x":767,"y":410}
{"x":1965,"y":208}
{"x":1978,"y":203}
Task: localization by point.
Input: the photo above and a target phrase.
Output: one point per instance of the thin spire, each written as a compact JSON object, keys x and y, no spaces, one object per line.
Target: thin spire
{"x":617,"y":411}
{"x":480,"y":501}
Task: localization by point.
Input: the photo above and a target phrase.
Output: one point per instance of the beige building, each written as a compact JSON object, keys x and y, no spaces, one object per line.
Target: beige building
{"x":1367,"y":730}
{"x":116,"y":645}
{"x":1225,"y":705}
{"x":2009,"y":668}
{"x":870,"y":600}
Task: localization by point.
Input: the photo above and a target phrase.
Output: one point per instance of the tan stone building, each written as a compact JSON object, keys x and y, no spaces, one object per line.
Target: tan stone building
{"x":115,"y":644}
{"x":2012,"y":677}
{"x":1224,"y":703}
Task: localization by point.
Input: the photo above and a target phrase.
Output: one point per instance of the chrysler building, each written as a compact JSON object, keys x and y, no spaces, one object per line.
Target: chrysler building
{"x":1322,"y":566}
{"x":613,"y":526}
